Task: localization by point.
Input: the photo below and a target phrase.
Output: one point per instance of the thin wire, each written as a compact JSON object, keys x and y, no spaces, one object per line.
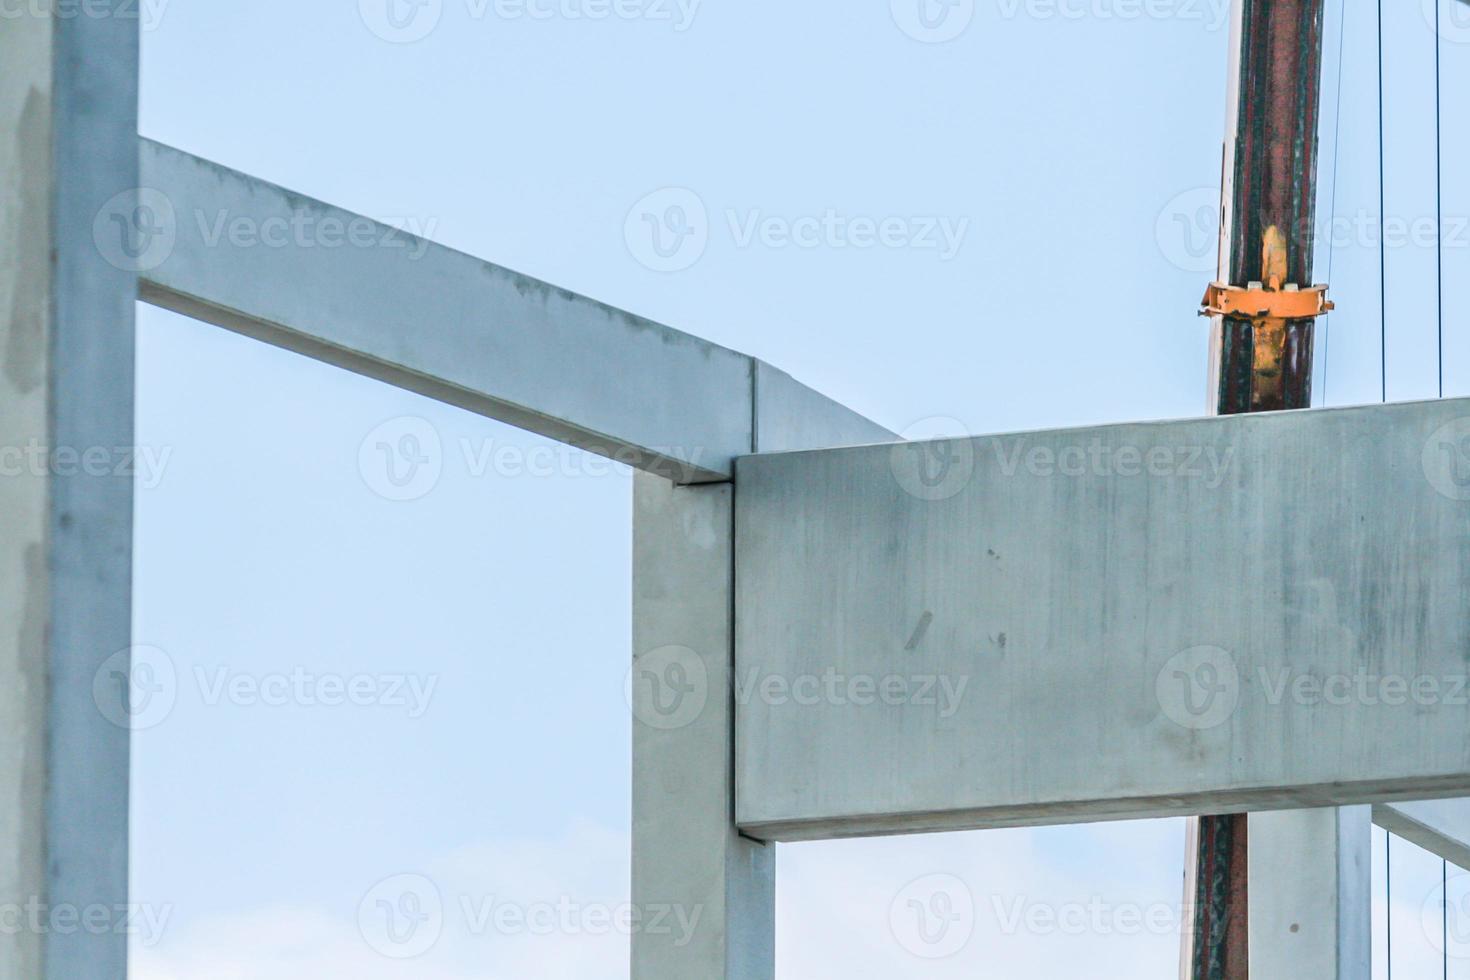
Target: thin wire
{"x":1382,"y":251}
{"x":1332,"y":205}
{"x":1438,"y":199}
{"x":1388,"y":900}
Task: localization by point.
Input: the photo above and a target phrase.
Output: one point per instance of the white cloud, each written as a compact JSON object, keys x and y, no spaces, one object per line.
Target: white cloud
{"x":1043,"y":902}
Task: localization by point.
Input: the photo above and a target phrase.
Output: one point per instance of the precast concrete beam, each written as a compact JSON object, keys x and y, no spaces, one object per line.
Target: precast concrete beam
{"x":1216,"y":615}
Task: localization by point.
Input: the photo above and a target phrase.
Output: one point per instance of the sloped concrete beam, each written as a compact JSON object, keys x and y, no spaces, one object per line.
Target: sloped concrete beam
{"x":265,"y":262}
{"x":1441,"y":827}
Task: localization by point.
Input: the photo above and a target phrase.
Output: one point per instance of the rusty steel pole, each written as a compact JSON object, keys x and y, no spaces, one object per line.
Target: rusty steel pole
{"x":1263,"y":307}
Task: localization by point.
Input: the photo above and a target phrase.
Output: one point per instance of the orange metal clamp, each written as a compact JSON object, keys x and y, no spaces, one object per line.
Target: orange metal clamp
{"x":1255,"y":301}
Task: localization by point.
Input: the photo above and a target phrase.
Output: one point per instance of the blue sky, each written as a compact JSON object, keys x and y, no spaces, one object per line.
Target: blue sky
{"x":1020,"y":153}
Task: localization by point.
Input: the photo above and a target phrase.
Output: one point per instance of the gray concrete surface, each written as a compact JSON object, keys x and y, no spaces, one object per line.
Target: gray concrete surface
{"x":1123,"y":621}
{"x":68,"y":176}
{"x":688,"y":856}
{"x":425,"y":317}
{"x":1311,"y":894}
{"x":689,"y":863}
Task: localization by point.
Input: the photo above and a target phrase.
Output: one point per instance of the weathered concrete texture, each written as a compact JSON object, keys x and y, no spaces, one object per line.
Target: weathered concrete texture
{"x":389,"y":305}
{"x":1255,"y":612}
{"x":246,"y":255}
{"x":1311,"y":894}
{"x":24,"y":304}
{"x":790,"y":416}
{"x":68,"y":148}
{"x":1441,"y":827}
{"x":687,"y":855}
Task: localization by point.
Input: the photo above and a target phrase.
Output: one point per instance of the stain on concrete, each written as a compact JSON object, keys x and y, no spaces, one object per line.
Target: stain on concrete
{"x":32,"y":636}
{"x":922,"y":628}
{"x":27,"y":745}
{"x":23,"y":358}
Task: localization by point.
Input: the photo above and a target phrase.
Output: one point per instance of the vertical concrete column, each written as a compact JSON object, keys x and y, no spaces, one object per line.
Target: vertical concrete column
{"x":688,"y":859}
{"x":1310,"y":888}
{"x":68,"y":174}
{"x":689,"y":864}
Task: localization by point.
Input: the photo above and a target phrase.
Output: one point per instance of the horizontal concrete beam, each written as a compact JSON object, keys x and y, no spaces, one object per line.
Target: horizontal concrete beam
{"x":1246,"y":613}
{"x":1441,"y":827}
{"x":243,"y":254}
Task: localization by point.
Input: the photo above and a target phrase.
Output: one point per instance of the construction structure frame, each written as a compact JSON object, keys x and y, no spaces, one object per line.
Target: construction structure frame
{"x":725,"y":444}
